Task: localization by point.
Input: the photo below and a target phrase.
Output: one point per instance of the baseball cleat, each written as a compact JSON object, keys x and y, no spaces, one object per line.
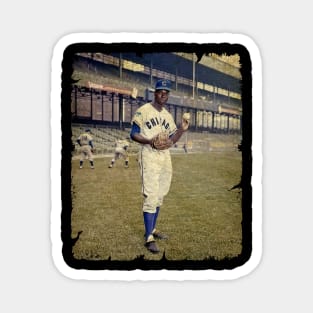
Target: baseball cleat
{"x":80,"y":167}
{"x":110,"y":166}
{"x":152,"y":247}
{"x":92,"y":167}
{"x":159,"y":235}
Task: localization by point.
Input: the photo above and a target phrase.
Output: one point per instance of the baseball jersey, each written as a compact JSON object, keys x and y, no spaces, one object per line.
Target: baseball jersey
{"x":122,"y":144}
{"x":85,"y":139}
{"x":151,"y":121}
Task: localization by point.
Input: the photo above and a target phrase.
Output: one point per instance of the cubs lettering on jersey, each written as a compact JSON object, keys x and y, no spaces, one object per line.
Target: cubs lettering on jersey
{"x":151,"y":121}
{"x":155,"y":121}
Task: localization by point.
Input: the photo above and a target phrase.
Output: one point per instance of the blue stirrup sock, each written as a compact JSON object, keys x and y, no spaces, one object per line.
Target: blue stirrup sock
{"x":156,"y":214}
{"x":149,"y":222}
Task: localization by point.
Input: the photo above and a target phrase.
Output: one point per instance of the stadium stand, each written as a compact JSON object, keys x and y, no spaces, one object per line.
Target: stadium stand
{"x":216,"y":118}
{"x":105,"y":137}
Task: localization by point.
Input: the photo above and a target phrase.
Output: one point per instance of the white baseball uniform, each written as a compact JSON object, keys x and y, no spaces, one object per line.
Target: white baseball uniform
{"x":85,"y":148}
{"x":121,"y":147}
{"x":155,"y":165}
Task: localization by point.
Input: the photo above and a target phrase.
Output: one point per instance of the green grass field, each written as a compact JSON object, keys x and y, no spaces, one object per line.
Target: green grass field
{"x":200,"y":215}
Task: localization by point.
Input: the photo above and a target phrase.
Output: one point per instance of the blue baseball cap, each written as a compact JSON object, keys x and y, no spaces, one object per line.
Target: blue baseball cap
{"x":163,"y":84}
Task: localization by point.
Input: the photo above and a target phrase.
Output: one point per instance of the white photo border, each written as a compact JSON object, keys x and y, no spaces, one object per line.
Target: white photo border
{"x":56,"y":147}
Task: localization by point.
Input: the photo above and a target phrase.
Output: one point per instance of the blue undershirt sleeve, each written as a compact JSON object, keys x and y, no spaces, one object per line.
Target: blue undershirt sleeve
{"x":135,"y":129}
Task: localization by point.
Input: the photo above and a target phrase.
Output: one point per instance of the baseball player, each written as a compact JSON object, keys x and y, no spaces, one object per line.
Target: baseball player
{"x":154,"y":128}
{"x":85,"y":142}
{"x":121,"y":147}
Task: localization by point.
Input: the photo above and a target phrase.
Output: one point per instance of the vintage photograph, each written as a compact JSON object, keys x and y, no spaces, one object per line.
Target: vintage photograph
{"x":156,"y":156}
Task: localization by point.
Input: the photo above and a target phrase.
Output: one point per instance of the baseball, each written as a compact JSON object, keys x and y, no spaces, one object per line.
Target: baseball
{"x":186,"y":116}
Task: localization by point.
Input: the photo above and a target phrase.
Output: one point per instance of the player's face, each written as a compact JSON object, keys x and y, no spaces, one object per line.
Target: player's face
{"x":161,"y":96}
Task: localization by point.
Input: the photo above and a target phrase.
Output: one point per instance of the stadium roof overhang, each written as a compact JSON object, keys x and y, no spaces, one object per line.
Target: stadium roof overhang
{"x":175,"y":64}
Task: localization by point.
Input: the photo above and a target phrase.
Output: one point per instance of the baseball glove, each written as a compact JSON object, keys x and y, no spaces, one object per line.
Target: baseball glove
{"x":161,"y":141}
{"x":93,"y":150}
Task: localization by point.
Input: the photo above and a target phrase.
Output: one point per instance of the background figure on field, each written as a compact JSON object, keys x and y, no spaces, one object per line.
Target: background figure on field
{"x":121,"y":147}
{"x":85,"y":142}
{"x":150,"y":122}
